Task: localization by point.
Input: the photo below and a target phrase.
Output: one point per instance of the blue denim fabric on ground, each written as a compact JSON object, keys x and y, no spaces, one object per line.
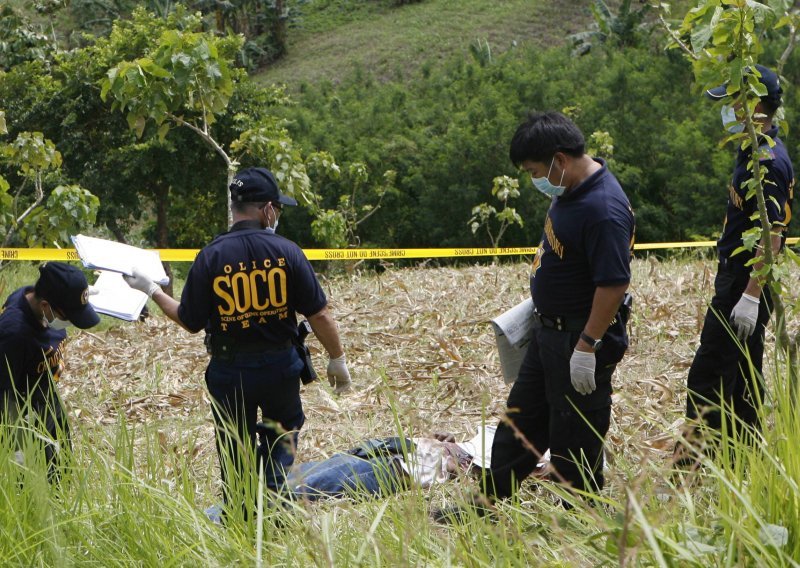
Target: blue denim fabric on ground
{"x":342,"y":475}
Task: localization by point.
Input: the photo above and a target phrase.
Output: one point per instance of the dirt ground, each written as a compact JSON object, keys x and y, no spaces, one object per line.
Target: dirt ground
{"x":422,"y":355}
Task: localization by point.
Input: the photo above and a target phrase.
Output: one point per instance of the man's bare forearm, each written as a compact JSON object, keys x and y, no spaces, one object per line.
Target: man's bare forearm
{"x":326,"y":331}
{"x":604,"y":307}
{"x":169,"y":306}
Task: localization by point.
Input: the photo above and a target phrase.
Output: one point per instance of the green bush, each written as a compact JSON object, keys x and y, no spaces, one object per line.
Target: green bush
{"x":446,"y":135}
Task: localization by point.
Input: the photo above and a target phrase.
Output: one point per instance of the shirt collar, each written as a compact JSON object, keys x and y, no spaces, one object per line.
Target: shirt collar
{"x":586,"y":183}
{"x":246,"y":224}
{"x":772,"y":133}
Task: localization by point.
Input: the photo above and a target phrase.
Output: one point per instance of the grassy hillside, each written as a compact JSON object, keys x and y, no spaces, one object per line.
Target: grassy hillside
{"x":332,"y":37}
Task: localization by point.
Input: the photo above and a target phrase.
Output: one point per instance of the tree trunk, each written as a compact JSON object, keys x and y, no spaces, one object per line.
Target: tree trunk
{"x":116,"y":230}
{"x":279,"y":29}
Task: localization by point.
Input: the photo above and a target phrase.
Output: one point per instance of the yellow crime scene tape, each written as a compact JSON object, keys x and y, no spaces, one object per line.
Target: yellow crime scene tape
{"x":188,"y":255}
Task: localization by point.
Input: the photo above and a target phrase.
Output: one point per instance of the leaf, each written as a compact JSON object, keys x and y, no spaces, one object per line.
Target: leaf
{"x":700,"y":548}
{"x":139,"y":125}
{"x":163,"y":130}
{"x":774,"y":535}
{"x":700,"y":37}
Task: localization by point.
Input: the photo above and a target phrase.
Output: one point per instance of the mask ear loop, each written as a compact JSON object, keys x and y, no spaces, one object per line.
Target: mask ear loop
{"x":266,"y":215}
{"x":563,"y":171}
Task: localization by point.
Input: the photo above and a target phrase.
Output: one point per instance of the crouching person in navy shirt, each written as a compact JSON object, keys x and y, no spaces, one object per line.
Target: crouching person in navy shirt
{"x":244,"y":289}
{"x":561,"y":399}
{"x":32,"y":333}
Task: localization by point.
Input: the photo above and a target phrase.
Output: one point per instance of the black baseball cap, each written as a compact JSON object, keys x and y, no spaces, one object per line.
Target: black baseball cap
{"x":257,"y":185}
{"x":65,"y":288}
{"x":768,"y":78}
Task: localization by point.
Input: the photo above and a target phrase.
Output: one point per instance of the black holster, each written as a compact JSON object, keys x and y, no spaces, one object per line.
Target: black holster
{"x":222,"y":347}
{"x":308,"y":374}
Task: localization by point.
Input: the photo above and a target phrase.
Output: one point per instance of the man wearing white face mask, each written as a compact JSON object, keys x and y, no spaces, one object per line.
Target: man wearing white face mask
{"x":727,"y":366}
{"x":245,"y":289}
{"x":32,"y":333}
{"x":561,"y":399}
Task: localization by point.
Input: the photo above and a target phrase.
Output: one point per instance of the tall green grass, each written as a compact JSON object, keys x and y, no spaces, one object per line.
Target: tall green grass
{"x":124,"y":499}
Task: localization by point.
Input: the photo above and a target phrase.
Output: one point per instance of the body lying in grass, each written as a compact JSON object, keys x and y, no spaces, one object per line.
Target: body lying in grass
{"x":382,"y":466}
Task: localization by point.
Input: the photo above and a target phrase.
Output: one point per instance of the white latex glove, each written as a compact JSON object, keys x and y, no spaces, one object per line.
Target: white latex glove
{"x":744,"y":316}
{"x":338,"y":375}
{"x":581,"y":371}
{"x":142,"y":282}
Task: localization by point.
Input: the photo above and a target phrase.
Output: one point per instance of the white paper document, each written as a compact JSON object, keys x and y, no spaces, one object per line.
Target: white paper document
{"x":102,"y":254}
{"x":513,"y":330}
{"x":115,"y":298}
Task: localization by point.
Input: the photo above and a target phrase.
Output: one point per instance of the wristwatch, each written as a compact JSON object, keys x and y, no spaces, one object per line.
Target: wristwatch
{"x":595,"y":344}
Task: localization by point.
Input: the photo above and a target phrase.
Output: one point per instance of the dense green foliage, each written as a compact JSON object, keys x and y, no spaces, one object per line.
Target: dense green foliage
{"x":446,"y":134}
{"x":442,"y":136}
{"x":168,"y":183}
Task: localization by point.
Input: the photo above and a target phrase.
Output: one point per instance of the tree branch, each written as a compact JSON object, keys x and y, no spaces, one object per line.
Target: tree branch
{"x":677,"y":39}
{"x":204,"y":135}
{"x":790,"y":44}
{"x":28,"y":211}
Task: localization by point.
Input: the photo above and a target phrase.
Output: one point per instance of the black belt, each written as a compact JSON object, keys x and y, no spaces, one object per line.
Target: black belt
{"x":226,"y":347}
{"x":562,"y":323}
{"x":260,"y":346}
{"x":733,"y":265}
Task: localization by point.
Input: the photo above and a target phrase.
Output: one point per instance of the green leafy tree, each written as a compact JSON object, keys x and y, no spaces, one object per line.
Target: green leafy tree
{"x":723,"y":39}
{"x":39,"y":218}
{"x":625,"y":27}
{"x":339,"y":227}
{"x":20,"y":40}
{"x":485,"y":216}
{"x":186,"y":79}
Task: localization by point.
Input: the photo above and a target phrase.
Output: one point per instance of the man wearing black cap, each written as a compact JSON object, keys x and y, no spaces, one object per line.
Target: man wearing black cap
{"x":32,"y":327}
{"x":727,"y":369}
{"x":244,"y":289}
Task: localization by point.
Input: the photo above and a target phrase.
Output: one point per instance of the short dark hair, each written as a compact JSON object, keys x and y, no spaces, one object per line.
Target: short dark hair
{"x":542,"y":135}
{"x":246,"y":207}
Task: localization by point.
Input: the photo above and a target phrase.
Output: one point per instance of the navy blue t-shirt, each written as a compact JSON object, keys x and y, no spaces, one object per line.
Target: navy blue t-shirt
{"x":248,"y":284}
{"x":587,"y":241}
{"x":29,"y":351}
{"x":778,"y":187}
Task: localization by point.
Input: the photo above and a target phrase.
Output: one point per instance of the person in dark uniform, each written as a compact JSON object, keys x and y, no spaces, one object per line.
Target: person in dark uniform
{"x":561,"y":399}
{"x":32,"y":334}
{"x":244,"y":289}
{"x":727,"y":366}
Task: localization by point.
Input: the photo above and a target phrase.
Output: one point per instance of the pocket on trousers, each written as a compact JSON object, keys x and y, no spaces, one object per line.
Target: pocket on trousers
{"x":219,"y":376}
{"x":724,"y":284}
{"x":293,"y":370}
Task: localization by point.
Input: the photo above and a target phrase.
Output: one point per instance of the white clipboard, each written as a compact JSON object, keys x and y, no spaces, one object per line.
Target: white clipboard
{"x":102,"y":254}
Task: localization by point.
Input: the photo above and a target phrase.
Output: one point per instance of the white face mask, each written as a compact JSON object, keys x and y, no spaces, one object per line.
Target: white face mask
{"x":55,"y":323}
{"x":543,"y":183}
{"x":271,"y":229}
{"x":729,"y":120}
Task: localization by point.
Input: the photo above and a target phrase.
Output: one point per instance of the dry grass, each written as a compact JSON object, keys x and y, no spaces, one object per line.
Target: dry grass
{"x":418,"y":343}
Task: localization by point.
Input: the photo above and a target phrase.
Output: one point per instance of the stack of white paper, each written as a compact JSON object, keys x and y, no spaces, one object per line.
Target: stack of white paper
{"x":112,"y":296}
{"x":513,"y":330}
{"x":102,"y":254}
